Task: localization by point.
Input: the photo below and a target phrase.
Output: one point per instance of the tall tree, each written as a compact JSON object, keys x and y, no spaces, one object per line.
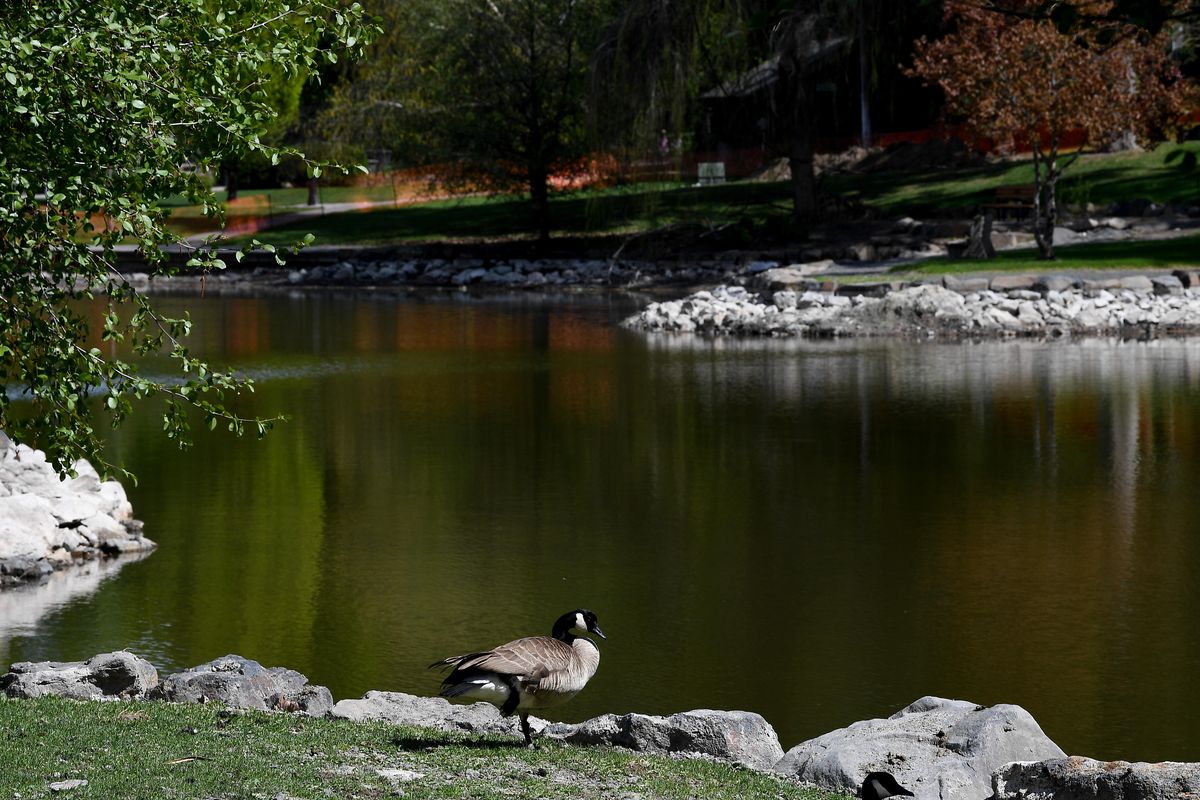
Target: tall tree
{"x":657,"y":51}
{"x":651,"y":53}
{"x":1013,"y":78}
{"x":104,"y":103}
{"x":491,"y":93}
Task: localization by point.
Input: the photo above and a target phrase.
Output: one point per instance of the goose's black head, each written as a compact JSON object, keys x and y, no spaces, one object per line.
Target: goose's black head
{"x":576,"y":622}
{"x":880,"y":785}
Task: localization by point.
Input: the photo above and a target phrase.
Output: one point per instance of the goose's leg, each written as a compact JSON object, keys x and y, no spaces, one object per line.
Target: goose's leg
{"x":525,"y":729}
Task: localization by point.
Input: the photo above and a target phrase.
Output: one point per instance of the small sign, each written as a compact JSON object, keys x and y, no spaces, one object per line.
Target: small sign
{"x":710,"y":173}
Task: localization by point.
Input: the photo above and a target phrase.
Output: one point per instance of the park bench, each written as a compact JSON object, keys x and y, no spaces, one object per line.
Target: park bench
{"x":1015,"y":200}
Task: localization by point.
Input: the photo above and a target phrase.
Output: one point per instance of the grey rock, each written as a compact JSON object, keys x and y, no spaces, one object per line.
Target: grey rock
{"x":1137,"y":283}
{"x":1066,"y":236}
{"x":1167,"y":284}
{"x":791,"y":277}
{"x":935,"y":747}
{"x":738,"y":736}
{"x":66,"y":786}
{"x":755,"y":267}
{"x":425,"y":712}
{"x":241,"y":683}
{"x":864,"y":251}
{"x":1054,"y":283}
{"x":873,"y":289}
{"x":784,"y":299}
{"x":1005,"y":283}
{"x":965,"y":285}
{"x":1086,"y":779}
{"x":118,"y":674}
{"x":399,"y":775}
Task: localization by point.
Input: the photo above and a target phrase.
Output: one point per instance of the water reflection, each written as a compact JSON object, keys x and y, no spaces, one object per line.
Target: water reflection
{"x":24,"y":609}
{"x":873,"y":520}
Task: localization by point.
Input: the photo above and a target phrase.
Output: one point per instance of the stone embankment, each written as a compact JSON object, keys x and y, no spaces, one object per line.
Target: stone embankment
{"x":938,"y":748}
{"x":952,"y":307}
{"x":47,"y":523}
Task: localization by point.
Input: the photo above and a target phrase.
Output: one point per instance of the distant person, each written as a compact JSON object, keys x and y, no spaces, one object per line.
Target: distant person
{"x":664,"y":144}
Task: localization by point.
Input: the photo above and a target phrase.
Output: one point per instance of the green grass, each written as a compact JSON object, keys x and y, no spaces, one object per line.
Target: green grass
{"x":756,"y":206}
{"x":1091,"y":179}
{"x":1154,"y":254}
{"x":158,"y":750}
{"x":617,"y":210}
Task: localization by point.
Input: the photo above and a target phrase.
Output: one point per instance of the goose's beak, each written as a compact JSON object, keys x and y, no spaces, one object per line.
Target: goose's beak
{"x":596,"y":630}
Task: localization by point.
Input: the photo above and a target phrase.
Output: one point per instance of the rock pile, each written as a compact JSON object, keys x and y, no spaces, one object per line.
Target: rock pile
{"x":235,"y":681}
{"x":47,"y":523}
{"x":980,"y":307}
{"x":515,"y":273}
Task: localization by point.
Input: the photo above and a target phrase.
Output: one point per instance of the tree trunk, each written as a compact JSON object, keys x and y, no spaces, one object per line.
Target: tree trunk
{"x":313,"y":197}
{"x":231,"y":184}
{"x":1045,"y":199}
{"x":804,"y":180}
{"x":979,"y":241}
{"x":539,"y":194}
{"x":1045,"y":243}
{"x":864,"y":81}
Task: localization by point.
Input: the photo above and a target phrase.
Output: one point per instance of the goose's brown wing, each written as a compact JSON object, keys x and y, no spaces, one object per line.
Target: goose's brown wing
{"x":530,"y":659}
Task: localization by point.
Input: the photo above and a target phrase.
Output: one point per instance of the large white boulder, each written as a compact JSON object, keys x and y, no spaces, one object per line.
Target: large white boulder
{"x":938,"y":748}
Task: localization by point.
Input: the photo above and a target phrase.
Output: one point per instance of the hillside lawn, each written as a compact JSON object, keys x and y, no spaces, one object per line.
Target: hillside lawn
{"x":764,"y":207}
{"x":152,"y":749}
{"x":1179,"y":253}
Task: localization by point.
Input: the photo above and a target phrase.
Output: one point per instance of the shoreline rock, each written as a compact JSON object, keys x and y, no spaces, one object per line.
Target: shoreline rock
{"x":49,"y":524}
{"x":242,"y":683}
{"x":937,"y":748}
{"x":1088,"y":779}
{"x":1054,"y":306}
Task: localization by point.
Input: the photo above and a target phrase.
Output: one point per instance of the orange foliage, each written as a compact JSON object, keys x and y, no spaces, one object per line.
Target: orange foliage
{"x":1011,"y":78}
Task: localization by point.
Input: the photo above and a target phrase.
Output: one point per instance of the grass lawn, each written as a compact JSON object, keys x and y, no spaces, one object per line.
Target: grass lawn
{"x":643,"y":207}
{"x":1159,"y":253}
{"x":158,"y":750}
{"x":615,"y":210}
{"x":1091,"y":179}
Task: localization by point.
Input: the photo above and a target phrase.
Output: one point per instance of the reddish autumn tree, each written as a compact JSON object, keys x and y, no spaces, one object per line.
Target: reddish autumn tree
{"x":1017,"y":80}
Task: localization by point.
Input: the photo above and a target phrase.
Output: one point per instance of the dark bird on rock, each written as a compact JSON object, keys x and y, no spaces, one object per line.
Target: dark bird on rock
{"x":878,"y":785}
{"x":529,"y":674}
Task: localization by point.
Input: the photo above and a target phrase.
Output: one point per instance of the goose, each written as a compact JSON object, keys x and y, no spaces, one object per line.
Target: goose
{"x":880,"y":785}
{"x":533,"y":673}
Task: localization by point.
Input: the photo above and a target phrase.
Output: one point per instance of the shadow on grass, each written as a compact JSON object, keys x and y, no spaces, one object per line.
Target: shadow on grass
{"x":418,"y":742}
{"x":637,"y":208}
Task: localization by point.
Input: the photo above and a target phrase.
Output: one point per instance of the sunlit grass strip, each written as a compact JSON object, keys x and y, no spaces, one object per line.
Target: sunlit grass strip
{"x":1179,"y":253}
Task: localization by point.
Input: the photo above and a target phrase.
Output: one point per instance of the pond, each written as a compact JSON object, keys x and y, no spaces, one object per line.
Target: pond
{"x":817,"y":531}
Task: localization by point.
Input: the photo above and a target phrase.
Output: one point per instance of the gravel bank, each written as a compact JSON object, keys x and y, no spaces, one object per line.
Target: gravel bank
{"x":1134,"y":306}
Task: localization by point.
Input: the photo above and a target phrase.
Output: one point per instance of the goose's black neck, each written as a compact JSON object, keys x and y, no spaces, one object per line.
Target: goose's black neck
{"x":562,"y":628}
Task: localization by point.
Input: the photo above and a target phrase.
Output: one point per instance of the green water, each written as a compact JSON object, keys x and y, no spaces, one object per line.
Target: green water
{"x":820,"y":532}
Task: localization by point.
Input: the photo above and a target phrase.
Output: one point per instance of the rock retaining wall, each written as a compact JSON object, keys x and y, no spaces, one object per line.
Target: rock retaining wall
{"x":951,"y":308}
